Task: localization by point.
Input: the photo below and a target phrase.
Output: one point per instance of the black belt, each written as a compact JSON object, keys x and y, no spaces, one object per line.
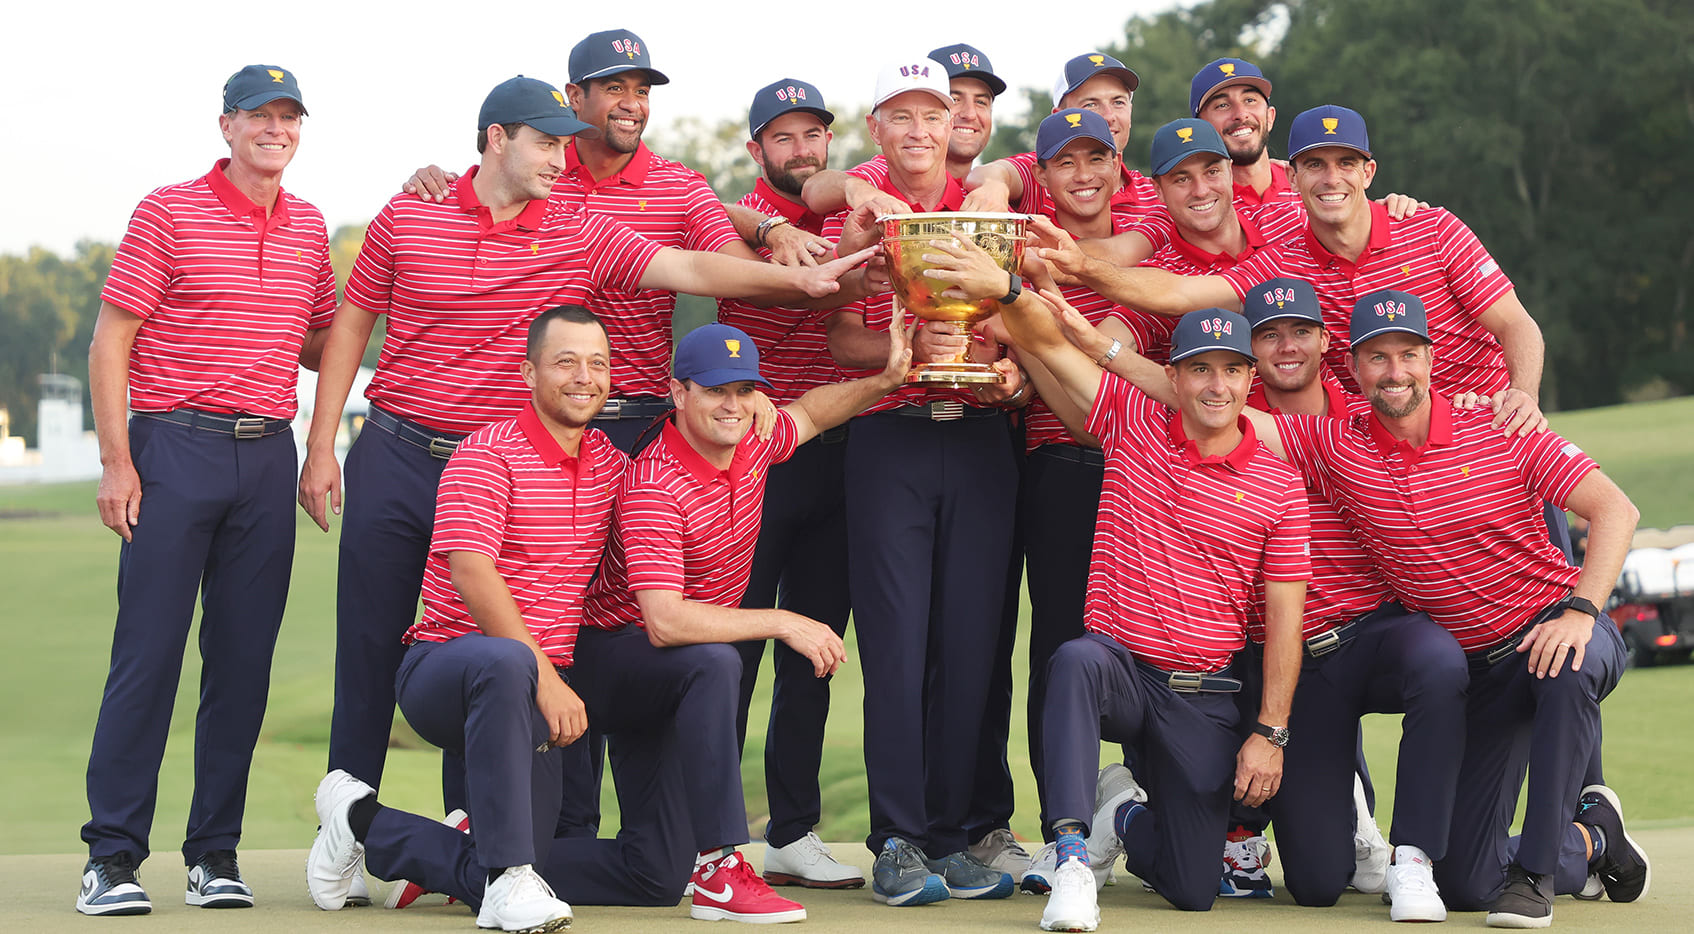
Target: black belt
{"x":947,"y":410}
{"x":1074,"y":453}
{"x":1193,"y":682}
{"x":240,"y":427}
{"x":634,"y":407}
{"x":439,"y":445}
{"x":1492,"y":655}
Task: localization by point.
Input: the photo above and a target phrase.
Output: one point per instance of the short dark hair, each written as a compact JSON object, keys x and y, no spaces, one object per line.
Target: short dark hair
{"x":482,"y":135}
{"x":570,"y":314}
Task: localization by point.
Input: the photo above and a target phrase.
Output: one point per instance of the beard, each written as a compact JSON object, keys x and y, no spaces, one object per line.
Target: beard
{"x":1249,"y":153}
{"x":1388,"y":410}
{"x":791,"y":177}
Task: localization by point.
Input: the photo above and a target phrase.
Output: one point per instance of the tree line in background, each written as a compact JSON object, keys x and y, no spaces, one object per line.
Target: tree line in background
{"x":1559,"y":131}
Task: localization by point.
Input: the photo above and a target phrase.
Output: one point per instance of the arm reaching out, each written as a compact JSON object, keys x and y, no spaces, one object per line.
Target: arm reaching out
{"x":824,"y":407}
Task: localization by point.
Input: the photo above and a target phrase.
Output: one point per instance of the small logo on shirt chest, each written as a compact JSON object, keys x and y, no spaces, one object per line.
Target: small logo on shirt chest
{"x":534,"y":248}
{"x":1405,"y":270}
{"x":641,"y":205}
{"x":1239,"y":496}
{"x":1464,"y":472}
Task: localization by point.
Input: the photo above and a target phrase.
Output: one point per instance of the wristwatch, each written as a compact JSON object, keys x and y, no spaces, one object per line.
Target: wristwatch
{"x":765,"y":227}
{"x":1278,"y":735}
{"x":1582,"y":605}
{"x":1017,"y":289}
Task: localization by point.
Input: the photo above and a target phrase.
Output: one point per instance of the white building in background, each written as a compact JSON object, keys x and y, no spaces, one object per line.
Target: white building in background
{"x":65,"y":452}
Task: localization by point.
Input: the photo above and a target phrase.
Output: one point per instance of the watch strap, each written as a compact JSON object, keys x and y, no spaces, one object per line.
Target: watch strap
{"x":1582,"y":605}
{"x":1016,"y":289}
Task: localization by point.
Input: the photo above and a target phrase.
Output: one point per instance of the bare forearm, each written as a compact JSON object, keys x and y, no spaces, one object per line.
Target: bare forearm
{"x":672,"y":620}
{"x":853,"y":345}
{"x":1284,"y":604}
{"x":1125,"y":249}
{"x":746,"y":222}
{"x":1155,"y":290}
{"x":338,"y":365}
{"x":825,"y":193}
{"x":108,"y":387}
{"x":1525,"y":352}
{"x":996,"y":174}
{"x":833,"y":404}
{"x":1612,"y":518}
{"x":490,"y":601}
{"x":312,"y":349}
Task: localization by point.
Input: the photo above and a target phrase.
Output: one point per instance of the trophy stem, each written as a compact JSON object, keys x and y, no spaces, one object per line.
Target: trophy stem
{"x":959,"y":371}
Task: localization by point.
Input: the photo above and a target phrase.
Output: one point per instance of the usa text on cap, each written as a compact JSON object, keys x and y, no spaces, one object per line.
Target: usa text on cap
{"x":1211,"y":329}
{"x":919,"y":74}
{"x":1388,"y":311}
{"x":1221,"y":74}
{"x":1279,"y":298}
{"x":1328,"y":125}
{"x":257,"y":85}
{"x":1181,"y":138}
{"x":1073,"y":123}
{"x":1078,"y":70}
{"x":967,"y":61}
{"x":789,"y":94}
{"x":716,"y":355}
{"x":610,"y":52}
{"x":534,"y":102}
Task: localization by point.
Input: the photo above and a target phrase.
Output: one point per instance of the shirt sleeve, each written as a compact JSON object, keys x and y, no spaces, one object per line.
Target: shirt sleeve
{"x":371,"y":283}
{"x":1473,"y":275}
{"x":145,"y":260}
{"x":1304,"y":438}
{"x":1157,"y":226}
{"x":472,"y":503}
{"x":784,"y":439}
{"x":1023,"y":164}
{"x":1552,"y":466}
{"x":1260,"y":267}
{"x":1288,"y":553}
{"x":323,"y":298}
{"x":617,"y":256}
{"x":874,"y":170}
{"x":1119,"y":408}
{"x":650,"y":528}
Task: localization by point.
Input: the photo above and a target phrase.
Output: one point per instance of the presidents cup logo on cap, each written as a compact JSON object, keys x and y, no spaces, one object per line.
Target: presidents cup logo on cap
{"x":1388,"y":309}
{"x":630,"y":46}
{"x":733,"y":346}
{"x":1058,"y":131}
{"x":1080,"y":69}
{"x":1228,"y":68}
{"x":1179,"y":139}
{"x":276,"y":75}
{"x":925,"y":75}
{"x":717,"y":355}
{"x":1219,"y":74}
{"x":1281,"y":297}
{"x":1217,"y":327}
{"x":534,"y":103}
{"x":1328,"y":125}
{"x":1185,"y":133}
{"x":1073,"y":119}
{"x":257,"y":85}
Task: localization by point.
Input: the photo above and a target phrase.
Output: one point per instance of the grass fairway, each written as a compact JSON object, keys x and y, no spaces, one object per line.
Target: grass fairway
{"x":57,"y":570}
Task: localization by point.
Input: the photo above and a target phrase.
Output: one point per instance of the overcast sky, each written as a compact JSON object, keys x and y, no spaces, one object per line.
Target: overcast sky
{"x":103,"y":101}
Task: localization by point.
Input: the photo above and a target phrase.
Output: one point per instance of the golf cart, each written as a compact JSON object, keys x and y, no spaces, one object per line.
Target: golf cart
{"x":1653,"y":604}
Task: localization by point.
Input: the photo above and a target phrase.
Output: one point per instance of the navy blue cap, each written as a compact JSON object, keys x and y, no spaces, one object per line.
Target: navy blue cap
{"x":715,"y":355}
{"x":610,"y":52}
{"x":789,"y":94}
{"x":967,"y":61}
{"x":1211,"y":329}
{"x":1328,"y":125}
{"x":1078,"y":70}
{"x":533,"y":102}
{"x":1282,"y":297}
{"x":1222,"y":73}
{"x":1179,"y":139}
{"x":257,"y":85}
{"x":1388,"y":311}
{"x":1059,"y":129}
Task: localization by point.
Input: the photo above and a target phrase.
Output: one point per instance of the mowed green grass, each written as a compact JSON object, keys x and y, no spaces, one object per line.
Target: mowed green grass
{"x":57,"y":572}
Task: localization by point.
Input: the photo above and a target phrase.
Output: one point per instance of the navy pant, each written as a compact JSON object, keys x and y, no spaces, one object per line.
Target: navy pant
{"x":217,"y":518}
{"x":1184,"y":747}
{"x":1515,"y":721}
{"x":930,"y":539}
{"x":800,"y":565}
{"x":1395,"y":662}
{"x":385,"y":531}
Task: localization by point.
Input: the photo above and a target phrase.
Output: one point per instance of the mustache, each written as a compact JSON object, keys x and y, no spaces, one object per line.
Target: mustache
{"x":800,"y":162}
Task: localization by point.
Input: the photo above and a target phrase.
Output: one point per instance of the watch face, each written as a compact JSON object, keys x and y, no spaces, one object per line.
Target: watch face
{"x":1279,"y":737}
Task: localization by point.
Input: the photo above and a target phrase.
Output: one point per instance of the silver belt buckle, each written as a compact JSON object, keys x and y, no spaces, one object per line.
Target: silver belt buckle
{"x":612,"y":409}
{"x":246,"y":429}
{"x":442,"y":448}
{"x":1323,"y":643}
{"x":946,"y":410}
{"x":1187,"y":682}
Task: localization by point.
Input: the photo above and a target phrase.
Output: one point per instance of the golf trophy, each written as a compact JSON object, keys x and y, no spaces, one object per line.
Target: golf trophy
{"x":905,"y":238}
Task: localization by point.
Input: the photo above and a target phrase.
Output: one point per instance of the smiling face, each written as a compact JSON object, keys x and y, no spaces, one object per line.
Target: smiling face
{"x":1290,"y":352}
{"x":714,"y":419}
{"x":912,"y":129}
{"x":1199,"y":192}
{"x":1244,"y":118}
{"x":616,"y":105}
{"x":1081,"y":178}
{"x":1107,"y":96}
{"x":570,"y":374}
{"x":791,"y":149}
{"x":1393,"y":372}
{"x":973,"y":118}
{"x":262,"y":141}
{"x":1332,"y":181}
{"x":1211,"y":389}
{"x":528,"y":162}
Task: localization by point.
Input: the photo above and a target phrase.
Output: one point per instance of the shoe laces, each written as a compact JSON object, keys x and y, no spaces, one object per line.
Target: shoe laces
{"x":1072,"y":883}
{"x":906,"y":857}
{"x":1242,"y":855}
{"x":118,"y":868}
{"x":1414,"y":879}
{"x":814,"y":845}
{"x":1516,"y":875}
{"x":220,"y":864}
{"x":527,"y":885}
{"x":1003,"y":839}
{"x":734,"y":868}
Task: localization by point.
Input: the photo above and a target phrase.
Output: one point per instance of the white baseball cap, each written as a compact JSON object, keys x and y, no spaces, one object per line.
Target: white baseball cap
{"x":918,"y":74}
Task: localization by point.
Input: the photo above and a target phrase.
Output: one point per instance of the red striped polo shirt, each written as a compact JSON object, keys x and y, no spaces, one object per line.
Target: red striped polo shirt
{"x":1345,"y":582}
{"x":671,"y":205}
{"x":460,"y":291}
{"x":1183,"y":540}
{"x":1278,"y":213}
{"x":793,"y":342}
{"x":512,"y":493}
{"x":878,"y":310}
{"x":1432,"y":255}
{"x":225,"y":294}
{"x":1135,"y":197}
{"x":685,"y":525}
{"x":1456,"y":525}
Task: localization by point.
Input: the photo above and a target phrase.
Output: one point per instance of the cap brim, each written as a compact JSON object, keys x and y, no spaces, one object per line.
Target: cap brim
{"x":1129,"y":78}
{"x":1285,"y":316}
{"x":255,"y":101}
{"x":1052,"y":151}
{"x":1180,"y":355}
{"x":1260,"y":83}
{"x":654,"y":76}
{"x":562,"y":126}
{"x":725,"y":376}
{"x":1172,"y":163}
{"x":1388,"y":329}
{"x":1327,"y":143}
{"x":824,"y":115}
{"x":944,"y":98}
{"x":996,"y":87}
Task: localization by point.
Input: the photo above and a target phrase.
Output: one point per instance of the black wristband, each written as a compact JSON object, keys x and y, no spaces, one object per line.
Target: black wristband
{"x":1016,"y":290}
{"x":1582,"y":605}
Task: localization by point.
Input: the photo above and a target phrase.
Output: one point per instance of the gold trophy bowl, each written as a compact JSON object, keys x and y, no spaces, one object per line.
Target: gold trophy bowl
{"x":906,"y":237}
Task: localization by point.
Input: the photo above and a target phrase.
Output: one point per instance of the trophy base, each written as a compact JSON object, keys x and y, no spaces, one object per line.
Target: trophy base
{"x":953,"y":374}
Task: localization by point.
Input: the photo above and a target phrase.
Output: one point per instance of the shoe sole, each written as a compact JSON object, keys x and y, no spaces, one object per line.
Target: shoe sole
{"x":1002,"y":889}
{"x":783,"y":878}
{"x":1591,"y":890}
{"x":1646,"y":865}
{"x":1502,"y":919}
{"x":1063,"y":925}
{"x":545,"y":927}
{"x":707,"y":913}
{"x":933,"y":890}
{"x":118,"y":909}
{"x":194,"y":899}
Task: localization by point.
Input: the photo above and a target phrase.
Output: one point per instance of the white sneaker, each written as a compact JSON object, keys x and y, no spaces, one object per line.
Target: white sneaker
{"x":1000,"y":850}
{"x":1412,"y":895}
{"x":807,"y":862}
{"x":1074,"y":904}
{"x":520,"y":900}
{"x":359,"y":893}
{"x":336,"y":857}
{"x":1370,"y":851}
{"x":1113,"y":788}
{"x":700,"y":859}
{"x":1038,"y":878}
{"x":1245,"y":856}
